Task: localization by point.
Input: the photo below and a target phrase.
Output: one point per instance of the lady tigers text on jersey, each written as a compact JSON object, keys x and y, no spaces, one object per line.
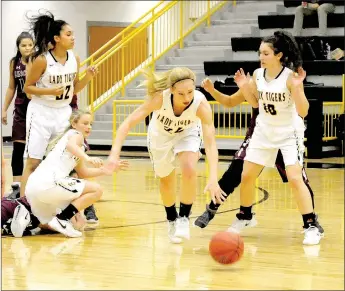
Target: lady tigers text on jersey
{"x":172,"y":126}
{"x":61,"y":79}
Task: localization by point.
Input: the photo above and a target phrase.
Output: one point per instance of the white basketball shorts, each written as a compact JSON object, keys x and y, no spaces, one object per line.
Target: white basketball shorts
{"x":43,"y":123}
{"x":267,"y":140}
{"x":163,"y":149}
{"x":46,"y":202}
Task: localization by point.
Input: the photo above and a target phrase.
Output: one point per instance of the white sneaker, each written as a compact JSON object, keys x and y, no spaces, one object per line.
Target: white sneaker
{"x":239,"y":224}
{"x":65,"y":227}
{"x":312,"y":236}
{"x":21,"y":219}
{"x":171,"y":232}
{"x":182,"y":228}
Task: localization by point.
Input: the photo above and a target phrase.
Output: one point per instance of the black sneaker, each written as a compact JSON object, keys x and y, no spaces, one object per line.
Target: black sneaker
{"x":15,"y":192}
{"x":321,"y":230}
{"x":204,"y":219}
{"x":317,"y":224}
{"x":90,"y":214}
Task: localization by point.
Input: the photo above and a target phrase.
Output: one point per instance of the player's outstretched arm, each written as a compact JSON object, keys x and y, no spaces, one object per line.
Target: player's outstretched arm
{"x":150,"y":105}
{"x":85,"y":172}
{"x":205,"y":114}
{"x":226,"y":100}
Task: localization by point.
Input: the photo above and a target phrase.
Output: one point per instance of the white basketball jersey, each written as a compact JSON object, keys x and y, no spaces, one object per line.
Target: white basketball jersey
{"x":57,"y":74}
{"x":59,"y":162}
{"x":276,"y":107}
{"x":166,"y":122}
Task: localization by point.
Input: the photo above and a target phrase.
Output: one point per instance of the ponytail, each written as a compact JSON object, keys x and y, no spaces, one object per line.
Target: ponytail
{"x":156,"y":82}
{"x":44,"y":28}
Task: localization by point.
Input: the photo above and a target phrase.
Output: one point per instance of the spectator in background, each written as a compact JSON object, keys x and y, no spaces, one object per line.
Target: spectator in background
{"x":308,"y":8}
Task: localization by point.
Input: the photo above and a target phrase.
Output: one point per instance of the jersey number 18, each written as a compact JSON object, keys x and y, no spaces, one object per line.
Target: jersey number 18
{"x":269,"y":108}
{"x":64,"y":95}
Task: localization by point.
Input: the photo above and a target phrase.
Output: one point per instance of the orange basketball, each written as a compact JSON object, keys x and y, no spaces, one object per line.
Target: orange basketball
{"x":226,"y":247}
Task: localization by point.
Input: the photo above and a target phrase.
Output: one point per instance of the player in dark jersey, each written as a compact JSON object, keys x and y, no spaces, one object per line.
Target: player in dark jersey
{"x":18,"y":220}
{"x":8,"y":210}
{"x":232,"y":177}
{"x":17,"y":80}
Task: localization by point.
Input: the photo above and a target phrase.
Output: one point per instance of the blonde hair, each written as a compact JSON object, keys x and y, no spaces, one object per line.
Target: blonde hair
{"x":75,"y":116}
{"x":156,"y":82}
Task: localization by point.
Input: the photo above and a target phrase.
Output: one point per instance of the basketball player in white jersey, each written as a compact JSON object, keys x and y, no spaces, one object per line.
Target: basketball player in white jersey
{"x":50,"y":189}
{"x":174,"y":136}
{"x":52,"y":80}
{"x":279,"y":92}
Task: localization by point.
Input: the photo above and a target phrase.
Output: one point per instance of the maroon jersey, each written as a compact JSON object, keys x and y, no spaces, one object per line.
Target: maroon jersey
{"x":74,"y":102}
{"x":19,"y":70}
{"x":241,"y":153}
{"x":7,"y":210}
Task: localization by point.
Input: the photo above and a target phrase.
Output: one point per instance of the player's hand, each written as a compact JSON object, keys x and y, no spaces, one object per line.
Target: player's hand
{"x":58,"y":90}
{"x":241,"y":79}
{"x":4,"y":117}
{"x":116,"y":165}
{"x":207,"y":84}
{"x":91,"y":71}
{"x":297,"y":78}
{"x":97,"y":162}
{"x":217,"y":194}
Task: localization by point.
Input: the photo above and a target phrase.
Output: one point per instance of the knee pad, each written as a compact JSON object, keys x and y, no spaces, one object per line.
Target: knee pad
{"x":17,"y":162}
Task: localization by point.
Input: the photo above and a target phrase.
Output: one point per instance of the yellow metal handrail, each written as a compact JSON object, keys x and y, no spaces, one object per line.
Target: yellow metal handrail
{"x":145,"y":45}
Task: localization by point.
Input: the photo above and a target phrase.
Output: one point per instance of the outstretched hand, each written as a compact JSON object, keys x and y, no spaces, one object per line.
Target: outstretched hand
{"x":217,"y":194}
{"x":112,"y":166}
{"x":241,"y":79}
{"x":297,"y":78}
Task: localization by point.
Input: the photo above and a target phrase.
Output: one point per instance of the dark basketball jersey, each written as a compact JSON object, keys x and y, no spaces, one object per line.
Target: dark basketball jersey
{"x":241,"y":153}
{"x":19,"y":80}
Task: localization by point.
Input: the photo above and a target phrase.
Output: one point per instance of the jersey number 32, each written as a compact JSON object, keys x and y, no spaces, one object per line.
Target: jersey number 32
{"x":65,"y":94}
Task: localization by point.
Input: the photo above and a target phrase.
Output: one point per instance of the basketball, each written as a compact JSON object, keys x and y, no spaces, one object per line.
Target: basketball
{"x":226,"y":247}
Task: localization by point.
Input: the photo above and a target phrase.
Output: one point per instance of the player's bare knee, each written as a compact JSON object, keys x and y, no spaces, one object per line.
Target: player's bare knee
{"x":247,"y":177}
{"x":295,"y":181}
{"x":188,"y":170}
{"x":165,"y":182}
{"x":32,"y":164}
{"x":99,"y":191}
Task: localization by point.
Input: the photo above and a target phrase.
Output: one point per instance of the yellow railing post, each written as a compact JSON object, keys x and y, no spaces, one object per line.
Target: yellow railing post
{"x":208,"y":12}
{"x":181,"y":24}
{"x":234,"y":3}
{"x":91,"y":94}
{"x":123,"y":68}
{"x":114,"y":119}
{"x":153,"y":42}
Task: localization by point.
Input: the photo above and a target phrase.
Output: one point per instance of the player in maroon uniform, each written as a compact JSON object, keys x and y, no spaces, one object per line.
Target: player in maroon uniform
{"x":8,"y":209}
{"x":16,"y":83}
{"x":232,"y":177}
